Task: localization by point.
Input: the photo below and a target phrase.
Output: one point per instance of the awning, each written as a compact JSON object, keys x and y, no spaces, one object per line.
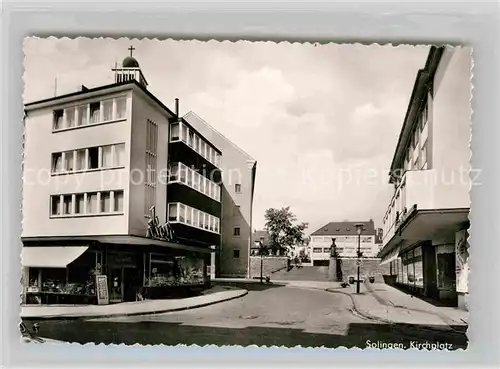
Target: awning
{"x":50,"y":257}
{"x":391,"y":256}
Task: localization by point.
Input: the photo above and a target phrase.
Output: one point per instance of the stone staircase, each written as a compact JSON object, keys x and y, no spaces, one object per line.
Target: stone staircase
{"x":306,"y":273}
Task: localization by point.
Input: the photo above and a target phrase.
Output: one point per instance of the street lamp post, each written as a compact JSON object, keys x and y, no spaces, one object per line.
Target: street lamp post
{"x":359,"y":229}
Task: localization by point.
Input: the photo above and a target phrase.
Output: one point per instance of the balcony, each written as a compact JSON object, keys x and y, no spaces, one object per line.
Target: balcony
{"x":427,"y":204}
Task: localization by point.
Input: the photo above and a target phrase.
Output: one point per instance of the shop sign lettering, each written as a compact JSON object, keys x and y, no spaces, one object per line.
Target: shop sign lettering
{"x":156,"y":230}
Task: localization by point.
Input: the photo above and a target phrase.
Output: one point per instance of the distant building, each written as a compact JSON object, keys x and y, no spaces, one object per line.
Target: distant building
{"x":346,"y":240}
{"x":426,"y":221}
{"x":260,"y":240}
{"x":238,"y":183}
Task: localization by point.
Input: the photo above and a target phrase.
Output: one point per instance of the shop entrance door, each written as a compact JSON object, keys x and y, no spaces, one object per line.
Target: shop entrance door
{"x":115,"y":284}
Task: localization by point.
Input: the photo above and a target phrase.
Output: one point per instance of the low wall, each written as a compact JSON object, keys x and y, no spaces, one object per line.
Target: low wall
{"x":270,"y":264}
{"x":370,"y":267}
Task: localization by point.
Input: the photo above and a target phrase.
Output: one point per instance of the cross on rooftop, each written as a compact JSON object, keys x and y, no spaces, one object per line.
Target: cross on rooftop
{"x":131,"y":48}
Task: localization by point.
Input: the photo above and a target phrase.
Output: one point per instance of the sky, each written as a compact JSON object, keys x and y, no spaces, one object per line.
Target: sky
{"x":322,"y":121}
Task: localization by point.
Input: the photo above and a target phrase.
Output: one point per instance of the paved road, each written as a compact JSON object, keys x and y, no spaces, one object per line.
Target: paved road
{"x":281,"y":316}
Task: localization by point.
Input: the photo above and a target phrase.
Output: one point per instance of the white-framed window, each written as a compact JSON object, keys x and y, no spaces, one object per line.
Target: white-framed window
{"x":58,"y":120}
{"x":196,"y":143}
{"x":107,"y":156}
{"x":237,"y":188}
{"x":57,"y":162}
{"x":174,"y":172}
{"x":82,"y":115}
{"x":107,"y":110}
{"x":88,"y":203}
{"x":70,"y":117}
{"x":175,"y":132}
{"x":184,"y":133}
{"x":191,"y":139}
{"x":203,"y":148}
{"x":121,"y":107}
{"x":95,"y":112}
{"x":172,"y":212}
{"x":118,"y":201}
{"x":55,"y":205}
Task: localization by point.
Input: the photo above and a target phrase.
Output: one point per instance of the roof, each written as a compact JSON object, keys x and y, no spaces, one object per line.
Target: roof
{"x":192,"y":115}
{"x":130,"y":62}
{"x":258,"y":234}
{"x":420,"y":88}
{"x":103,"y":88}
{"x":344,"y":229}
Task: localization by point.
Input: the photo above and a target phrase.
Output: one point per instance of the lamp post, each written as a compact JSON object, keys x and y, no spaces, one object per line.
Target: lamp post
{"x":359,"y":229}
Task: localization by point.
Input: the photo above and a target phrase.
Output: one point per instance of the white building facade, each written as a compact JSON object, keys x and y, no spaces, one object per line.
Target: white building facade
{"x":426,"y":221}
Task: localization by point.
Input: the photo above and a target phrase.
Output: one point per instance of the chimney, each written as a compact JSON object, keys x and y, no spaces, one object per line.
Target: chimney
{"x":177,"y":107}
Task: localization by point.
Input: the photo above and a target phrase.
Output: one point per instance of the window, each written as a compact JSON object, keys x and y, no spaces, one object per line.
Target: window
{"x":196,"y":182}
{"x":196,"y":217}
{"x":236,"y":254}
{"x":58,"y":119}
{"x":201,"y":220}
{"x":172,"y":212}
{"x":189,"y":216}
{"x":184,"y":133}
{"x":119,"y":155}
{"x":95,"y":112}
{"x":212,"y":224}
{"x":174,"y":173}
{"x":93,"y":158}
{"x":67,"y":204}
{"x":92,"y":203}
{"x":191,"y":138}
{"x":174,"y":132}
{"x":196,"y":143}
{"x":106,"y":158}
{"x":237,"y":188}
{"x":209,"y":153}
{"x":79,"y":203}
{"x":56,"y":205}
{"x":207,"y":186}
{"x":182,"y":213}
{"x":206,"y":222}
{"x":217,"y":159}
{"x":68,"y":161}
{"x":121,"y":107}
{"x":107,"y":110}
{"x":70,"y":117}
{"x":236,"y":231}
{"x":105,"y":202}
{"x":190,"y":174}
{"x":203,"y":148}
{"x":56,"y":163}
{"x":217,"y":224}
{"x":80,"y":160}
{"x":82,"y":115}
{"x":183,"y":173}
{"x":317,"y":250}
{"x":424,"y":155}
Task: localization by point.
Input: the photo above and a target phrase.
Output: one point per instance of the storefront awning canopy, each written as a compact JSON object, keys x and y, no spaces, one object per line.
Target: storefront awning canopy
{"x":391,"y":256}
{"x":50,"y":257}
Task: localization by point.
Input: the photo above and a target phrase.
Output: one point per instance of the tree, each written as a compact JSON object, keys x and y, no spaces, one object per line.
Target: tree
{"x":283,"y":233}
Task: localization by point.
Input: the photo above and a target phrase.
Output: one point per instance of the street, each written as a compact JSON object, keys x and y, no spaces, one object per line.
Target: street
{"x":268,"y":315}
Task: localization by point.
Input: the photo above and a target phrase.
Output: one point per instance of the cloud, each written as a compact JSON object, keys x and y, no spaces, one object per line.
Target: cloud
{"x":309,"y":115}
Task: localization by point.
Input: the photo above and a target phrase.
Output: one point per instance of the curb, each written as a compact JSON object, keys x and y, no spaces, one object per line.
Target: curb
{"x":365,"y":315}
{"x":160,"y":311}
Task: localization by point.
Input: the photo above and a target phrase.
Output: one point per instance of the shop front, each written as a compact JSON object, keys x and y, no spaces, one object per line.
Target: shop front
{"x":60,"y":274}
{"x":67,"y":274}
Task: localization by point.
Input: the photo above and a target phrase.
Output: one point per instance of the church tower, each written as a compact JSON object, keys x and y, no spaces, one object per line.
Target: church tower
{"x":129,"y":70}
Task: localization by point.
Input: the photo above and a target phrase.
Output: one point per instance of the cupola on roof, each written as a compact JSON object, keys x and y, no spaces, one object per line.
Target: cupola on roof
{"x":130,"y":61}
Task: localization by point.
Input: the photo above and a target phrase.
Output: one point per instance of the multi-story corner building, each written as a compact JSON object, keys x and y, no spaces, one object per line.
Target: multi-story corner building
{"x":116,"y":184}
{"x":237,"y":192}
{"x":426,"y":222}
{"x":346,"y":240}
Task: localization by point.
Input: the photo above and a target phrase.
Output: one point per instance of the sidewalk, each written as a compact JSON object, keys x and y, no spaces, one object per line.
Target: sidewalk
{"x":127,"y":308}
{"x":382,"y":302}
